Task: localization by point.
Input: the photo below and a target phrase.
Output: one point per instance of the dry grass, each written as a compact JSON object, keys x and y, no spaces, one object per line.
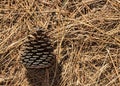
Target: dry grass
{"x":85,"y":34}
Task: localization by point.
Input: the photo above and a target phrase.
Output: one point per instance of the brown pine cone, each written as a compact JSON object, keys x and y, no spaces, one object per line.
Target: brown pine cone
{"x":38,"y":51}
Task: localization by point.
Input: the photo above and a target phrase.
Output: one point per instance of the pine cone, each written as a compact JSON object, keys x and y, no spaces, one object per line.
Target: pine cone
{"x":38,"y":51}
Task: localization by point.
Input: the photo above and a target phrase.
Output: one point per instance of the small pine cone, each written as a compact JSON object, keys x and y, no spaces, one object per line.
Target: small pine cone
{"x":38,"y":51}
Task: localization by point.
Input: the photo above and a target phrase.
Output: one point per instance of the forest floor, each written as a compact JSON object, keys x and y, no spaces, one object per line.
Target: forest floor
{"x":85,"y":35}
